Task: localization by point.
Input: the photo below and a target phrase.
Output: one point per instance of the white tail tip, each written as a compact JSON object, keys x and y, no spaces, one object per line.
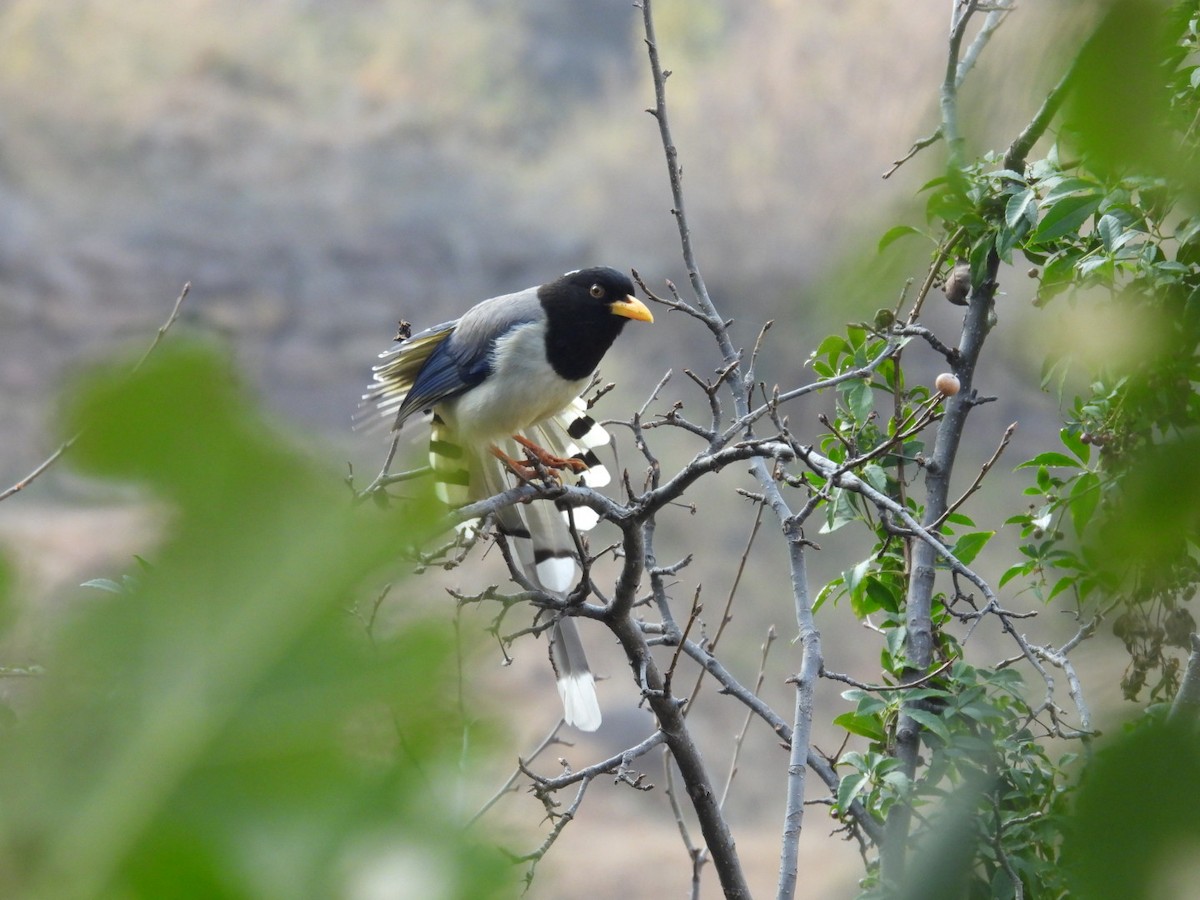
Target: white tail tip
{"x":581,"y":707}
{"x":556,"y":573}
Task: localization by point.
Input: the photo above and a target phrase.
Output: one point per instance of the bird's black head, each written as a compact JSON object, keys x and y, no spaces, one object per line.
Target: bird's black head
{"x":585,"y":311}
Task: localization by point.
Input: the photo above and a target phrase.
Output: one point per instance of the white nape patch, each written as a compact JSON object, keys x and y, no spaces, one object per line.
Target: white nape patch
{"x":581,"y":707}
{"x":556,"y":574}
{"x":585,"y":518}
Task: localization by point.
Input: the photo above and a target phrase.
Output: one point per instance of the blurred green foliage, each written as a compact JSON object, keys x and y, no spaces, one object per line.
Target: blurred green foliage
{"x":1135,"y":833}
{"x":221,"y":725}
{"x":1108,"y":218}
{"x":1115,"y":516}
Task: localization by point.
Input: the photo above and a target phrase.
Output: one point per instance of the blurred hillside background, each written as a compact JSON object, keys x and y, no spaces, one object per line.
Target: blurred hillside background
{"x":318,"y":169}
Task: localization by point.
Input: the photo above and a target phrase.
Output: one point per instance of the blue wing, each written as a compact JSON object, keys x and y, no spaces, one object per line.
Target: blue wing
{"x":448,"y":371}
{"x":442,"y":362}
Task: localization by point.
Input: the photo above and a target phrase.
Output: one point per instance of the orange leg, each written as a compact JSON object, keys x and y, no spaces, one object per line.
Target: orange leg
{"x":522,"y":471}
{"x":549,"y":460}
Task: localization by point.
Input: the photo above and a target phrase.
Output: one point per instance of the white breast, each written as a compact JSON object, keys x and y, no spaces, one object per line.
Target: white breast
{"x":523,"y":389}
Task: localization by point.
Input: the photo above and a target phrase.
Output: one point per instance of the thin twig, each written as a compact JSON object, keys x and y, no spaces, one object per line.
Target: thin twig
{"x":693,"y":616}
{"x":918,"y":145}
{"x":983,"y":470}
{"x":70,"y":442}
{"x":741,"y":736}
{"x":726,"y":616}
{"x":696,"y":855}
{"x":882,"y":688}
{"x":551,"y":738}
{"x":995,"y":18}
{"x":935,"y":268}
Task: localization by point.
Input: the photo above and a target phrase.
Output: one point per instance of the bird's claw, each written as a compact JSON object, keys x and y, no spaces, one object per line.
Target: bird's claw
{"x":549,"y":460}
{"x":524,"y":473}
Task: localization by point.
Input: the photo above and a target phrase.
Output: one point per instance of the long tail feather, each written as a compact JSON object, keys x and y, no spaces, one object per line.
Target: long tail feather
{"x":451,"y":468}
{"x":576,"y":684}
{"x":538,"y":533}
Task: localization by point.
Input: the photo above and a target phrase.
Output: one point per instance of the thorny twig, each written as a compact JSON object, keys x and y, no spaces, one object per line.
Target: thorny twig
{"x":510,"y":783}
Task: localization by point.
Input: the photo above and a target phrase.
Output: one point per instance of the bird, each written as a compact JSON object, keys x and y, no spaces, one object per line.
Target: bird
{"x":504,"y":380}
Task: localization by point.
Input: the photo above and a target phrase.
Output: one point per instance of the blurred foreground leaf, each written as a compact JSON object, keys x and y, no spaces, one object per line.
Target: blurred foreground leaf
{"x":1160,"y":510}
{"x":1136,"y":833}
{"x":1131,"y":99}
{"x":226,"y":728}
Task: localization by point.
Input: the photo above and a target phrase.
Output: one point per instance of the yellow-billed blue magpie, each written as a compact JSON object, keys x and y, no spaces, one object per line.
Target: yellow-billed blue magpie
{"x":509,"y":374}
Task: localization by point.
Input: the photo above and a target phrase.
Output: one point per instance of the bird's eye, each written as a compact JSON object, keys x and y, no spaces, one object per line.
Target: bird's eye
{"x":596,"y":291}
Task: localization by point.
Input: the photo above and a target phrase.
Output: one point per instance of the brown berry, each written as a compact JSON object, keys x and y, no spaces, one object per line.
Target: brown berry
{"x":958,"y":283}
{"x":947,"y":383}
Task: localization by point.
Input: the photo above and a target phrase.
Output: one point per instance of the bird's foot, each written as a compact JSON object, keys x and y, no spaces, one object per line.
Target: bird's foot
{"x":549,"y":460}
{"x":523,"y":472}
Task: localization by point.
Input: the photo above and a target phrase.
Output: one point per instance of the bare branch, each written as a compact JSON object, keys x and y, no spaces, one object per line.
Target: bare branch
{"x":883,"y":688}
{"x":805,"y":680}
{"x":948,"y":353}
{"x":944,"y":250}
{"x":918,"y":145}
{"x":70,"y":442}
{"x":618,"y":764}
{"x":697,"y":855}
{"x":741,"y":736}
{"x":984,"y":469}
{"x":1186,"y":707}
{"x":995,"y":18}
{"x":509,"y":785}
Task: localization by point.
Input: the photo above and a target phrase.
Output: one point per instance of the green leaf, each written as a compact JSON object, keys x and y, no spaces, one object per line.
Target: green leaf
{"x":864,"y":726}
{"x":894,"y":234}
{"x":1084,"y":497}
{"x":1118,"y":112}
{"x":967,"y":547}
{"x":1064,"y":217}
{"x":832,"y":347}
{"x":1050,"y":458}
{"x":979,"y":259}
{"x":1059,"y":272}
{"x":931,"y":721}
{"x":1150,"y":777}
{"x":1012,"y":572}
{"x":874,"y":475}
{"x":832,"y":589}
{"x":853,"y":577}
{"x":849,"y":788}
{"x":1071,"y":187}
{"x":1112,"y":232}
{"x":840,"y":512}
{"x":104,"y":584}
{"x":932,"y":183}
{"x":1061,"y":585}
{"x":1070,"y":438}
{"x":1189,"y":228}
{"x":1007,"y":175}
{"x":1007,"y":239}
{"x":223,"y":726}
{"x":860,"y":399}
{"x":1021,"y":206}
{"x":882,"y":594}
